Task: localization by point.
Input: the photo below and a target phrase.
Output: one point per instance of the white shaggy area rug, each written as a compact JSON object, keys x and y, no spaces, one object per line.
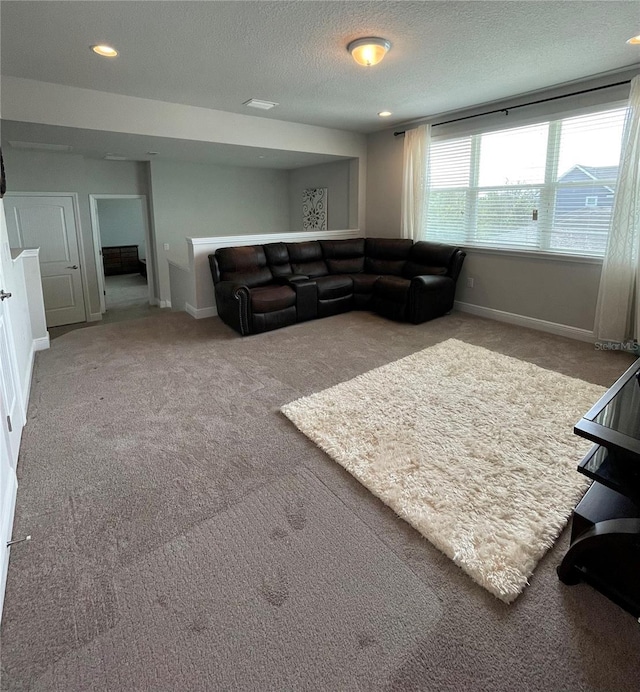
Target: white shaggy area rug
{"x":473,"y":448}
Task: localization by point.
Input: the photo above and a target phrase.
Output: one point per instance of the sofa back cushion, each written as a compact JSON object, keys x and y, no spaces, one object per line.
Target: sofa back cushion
{"x":386,"y":255}
{"x":429,"y":258}
{"x":245,"y":265}
{"x":278,"y":259}
{"x":306,"y":258}
{"x":344,"y":256}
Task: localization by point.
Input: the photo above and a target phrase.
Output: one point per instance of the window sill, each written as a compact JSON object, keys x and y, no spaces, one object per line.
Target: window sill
{"x":534,"y":254}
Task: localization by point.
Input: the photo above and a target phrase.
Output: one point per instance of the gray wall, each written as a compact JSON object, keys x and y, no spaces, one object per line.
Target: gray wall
{"x":384,"y":184}
{"x":35,"y":171}
{"x":564,"y":292}
{"x":333,"y":176}
{"x":198,"y":200}
{"x":122,"y":223}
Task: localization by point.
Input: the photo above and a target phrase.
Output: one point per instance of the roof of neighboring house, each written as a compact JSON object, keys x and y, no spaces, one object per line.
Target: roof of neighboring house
{"x":595,"y":172}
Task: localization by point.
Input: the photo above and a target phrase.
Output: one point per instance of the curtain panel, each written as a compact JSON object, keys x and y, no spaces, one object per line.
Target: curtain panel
{"x":618,"y":307}
{"x":414,"y":181}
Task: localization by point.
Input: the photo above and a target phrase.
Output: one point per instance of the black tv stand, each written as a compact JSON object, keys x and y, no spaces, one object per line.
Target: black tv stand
{"x":605,"y":531}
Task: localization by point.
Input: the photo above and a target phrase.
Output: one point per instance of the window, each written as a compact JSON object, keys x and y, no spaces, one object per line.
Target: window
{"x":544,"y":187}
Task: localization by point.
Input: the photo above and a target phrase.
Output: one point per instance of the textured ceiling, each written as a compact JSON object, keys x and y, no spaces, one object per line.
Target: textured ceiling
{"x":445,"y":55}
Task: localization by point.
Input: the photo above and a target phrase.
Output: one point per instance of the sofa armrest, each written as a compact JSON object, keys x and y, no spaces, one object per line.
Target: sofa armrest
{"x":232,"y":301}
{"x":456,"y":264}
{"x":430,"y":282}
{"x":430,"y":296}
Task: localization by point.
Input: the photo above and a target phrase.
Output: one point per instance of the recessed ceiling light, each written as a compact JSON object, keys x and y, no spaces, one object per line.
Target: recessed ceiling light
{"x":634,"y":40}
{"x":104,"y":50}
{"x":259,"y":103}
{"x":384,"y":114}
{"x":153,"y":153}
{"x":116,"y":157}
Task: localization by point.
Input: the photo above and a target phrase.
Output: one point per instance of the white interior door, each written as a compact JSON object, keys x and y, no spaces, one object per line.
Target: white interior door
{"x":49,"y":222}
{"x":11,"y":420}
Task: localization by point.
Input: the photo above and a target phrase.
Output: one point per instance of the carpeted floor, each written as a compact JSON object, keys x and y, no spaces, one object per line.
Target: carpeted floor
{"x":187,"y":536}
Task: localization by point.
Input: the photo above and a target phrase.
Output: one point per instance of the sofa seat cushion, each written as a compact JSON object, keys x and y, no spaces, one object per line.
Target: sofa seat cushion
{"x":334,"y":286}
{"x":272,"y":298}
{"x":363,"y":283}
{"x":392,"y":288}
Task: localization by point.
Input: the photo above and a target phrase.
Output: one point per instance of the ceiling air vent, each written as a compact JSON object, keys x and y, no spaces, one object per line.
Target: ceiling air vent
{"x":42,"y":146}
{"x":262,"y":105}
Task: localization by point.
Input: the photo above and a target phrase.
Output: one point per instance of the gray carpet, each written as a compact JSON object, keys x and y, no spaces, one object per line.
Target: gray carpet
{"x":187,"y":536}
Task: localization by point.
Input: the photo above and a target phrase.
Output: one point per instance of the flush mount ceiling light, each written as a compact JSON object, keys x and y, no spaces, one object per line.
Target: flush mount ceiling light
{"x":369,"y":51}
{"x":104,"y":50}
{"x":384,"y":114}
{"x":634,"y":40}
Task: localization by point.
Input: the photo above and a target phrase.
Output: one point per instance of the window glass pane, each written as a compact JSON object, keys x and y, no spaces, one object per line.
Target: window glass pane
{"x":590,"y":147}
{"x":580,"y":228}
{"x":446,"y":216}
{"x":449,"y":163}
{"x":513,"y":157}
{"x":508,"y":218}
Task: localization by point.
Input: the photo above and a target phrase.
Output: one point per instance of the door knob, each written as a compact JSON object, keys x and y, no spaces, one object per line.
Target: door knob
{"x":73,"y":266}
{"x":4,"y":295}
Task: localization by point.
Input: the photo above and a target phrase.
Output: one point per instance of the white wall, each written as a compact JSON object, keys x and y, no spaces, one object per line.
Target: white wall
{"x":41,"y":171}
{"x":122,"y":223}
{"x":199,"y":201}
{"x":335,"y":177}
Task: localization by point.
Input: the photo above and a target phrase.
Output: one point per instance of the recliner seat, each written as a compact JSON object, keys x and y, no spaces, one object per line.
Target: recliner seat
{"x":264,"y":287}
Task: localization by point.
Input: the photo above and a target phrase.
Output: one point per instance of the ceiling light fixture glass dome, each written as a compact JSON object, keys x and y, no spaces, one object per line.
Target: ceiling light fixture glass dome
{"x":369,"y":51}
{"x":104,"y":50}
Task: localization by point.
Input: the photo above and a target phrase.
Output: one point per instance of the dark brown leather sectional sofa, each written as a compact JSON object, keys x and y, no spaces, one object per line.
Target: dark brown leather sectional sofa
{"x":264,"y":287}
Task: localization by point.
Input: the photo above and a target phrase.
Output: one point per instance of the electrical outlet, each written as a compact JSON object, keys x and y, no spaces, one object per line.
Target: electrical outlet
{"x":470,"y":282}
{"x":166,"y":246}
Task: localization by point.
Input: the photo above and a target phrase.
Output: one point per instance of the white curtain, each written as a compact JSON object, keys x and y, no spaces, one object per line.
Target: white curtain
{"x":414,"y":181}
{"x":618,"y":307}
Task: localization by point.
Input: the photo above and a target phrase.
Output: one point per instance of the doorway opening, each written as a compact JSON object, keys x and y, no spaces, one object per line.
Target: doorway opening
{"x":124,"y":256}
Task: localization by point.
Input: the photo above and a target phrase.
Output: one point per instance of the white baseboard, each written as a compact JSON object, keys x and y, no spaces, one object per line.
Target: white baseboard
{"x":94,"y":317}
{"x":530,"y":322}
{"x":42,"y":343}
{"x":164,"y":303}
{"x":200,"y":313}
{"x":7,"y":510}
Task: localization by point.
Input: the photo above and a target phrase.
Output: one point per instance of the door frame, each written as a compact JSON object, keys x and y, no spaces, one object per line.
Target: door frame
{"x":97,"y":244}
{"x":81,"y":254}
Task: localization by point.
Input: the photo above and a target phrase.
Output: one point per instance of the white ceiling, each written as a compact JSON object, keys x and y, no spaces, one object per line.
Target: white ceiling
{"x":444,"y":56}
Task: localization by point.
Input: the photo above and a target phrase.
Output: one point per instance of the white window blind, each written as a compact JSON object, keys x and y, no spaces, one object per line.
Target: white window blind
{"x":543,"y":187}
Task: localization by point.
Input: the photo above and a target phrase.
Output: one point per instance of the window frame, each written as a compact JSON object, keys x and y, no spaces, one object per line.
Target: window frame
{"x":548,"y":188}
